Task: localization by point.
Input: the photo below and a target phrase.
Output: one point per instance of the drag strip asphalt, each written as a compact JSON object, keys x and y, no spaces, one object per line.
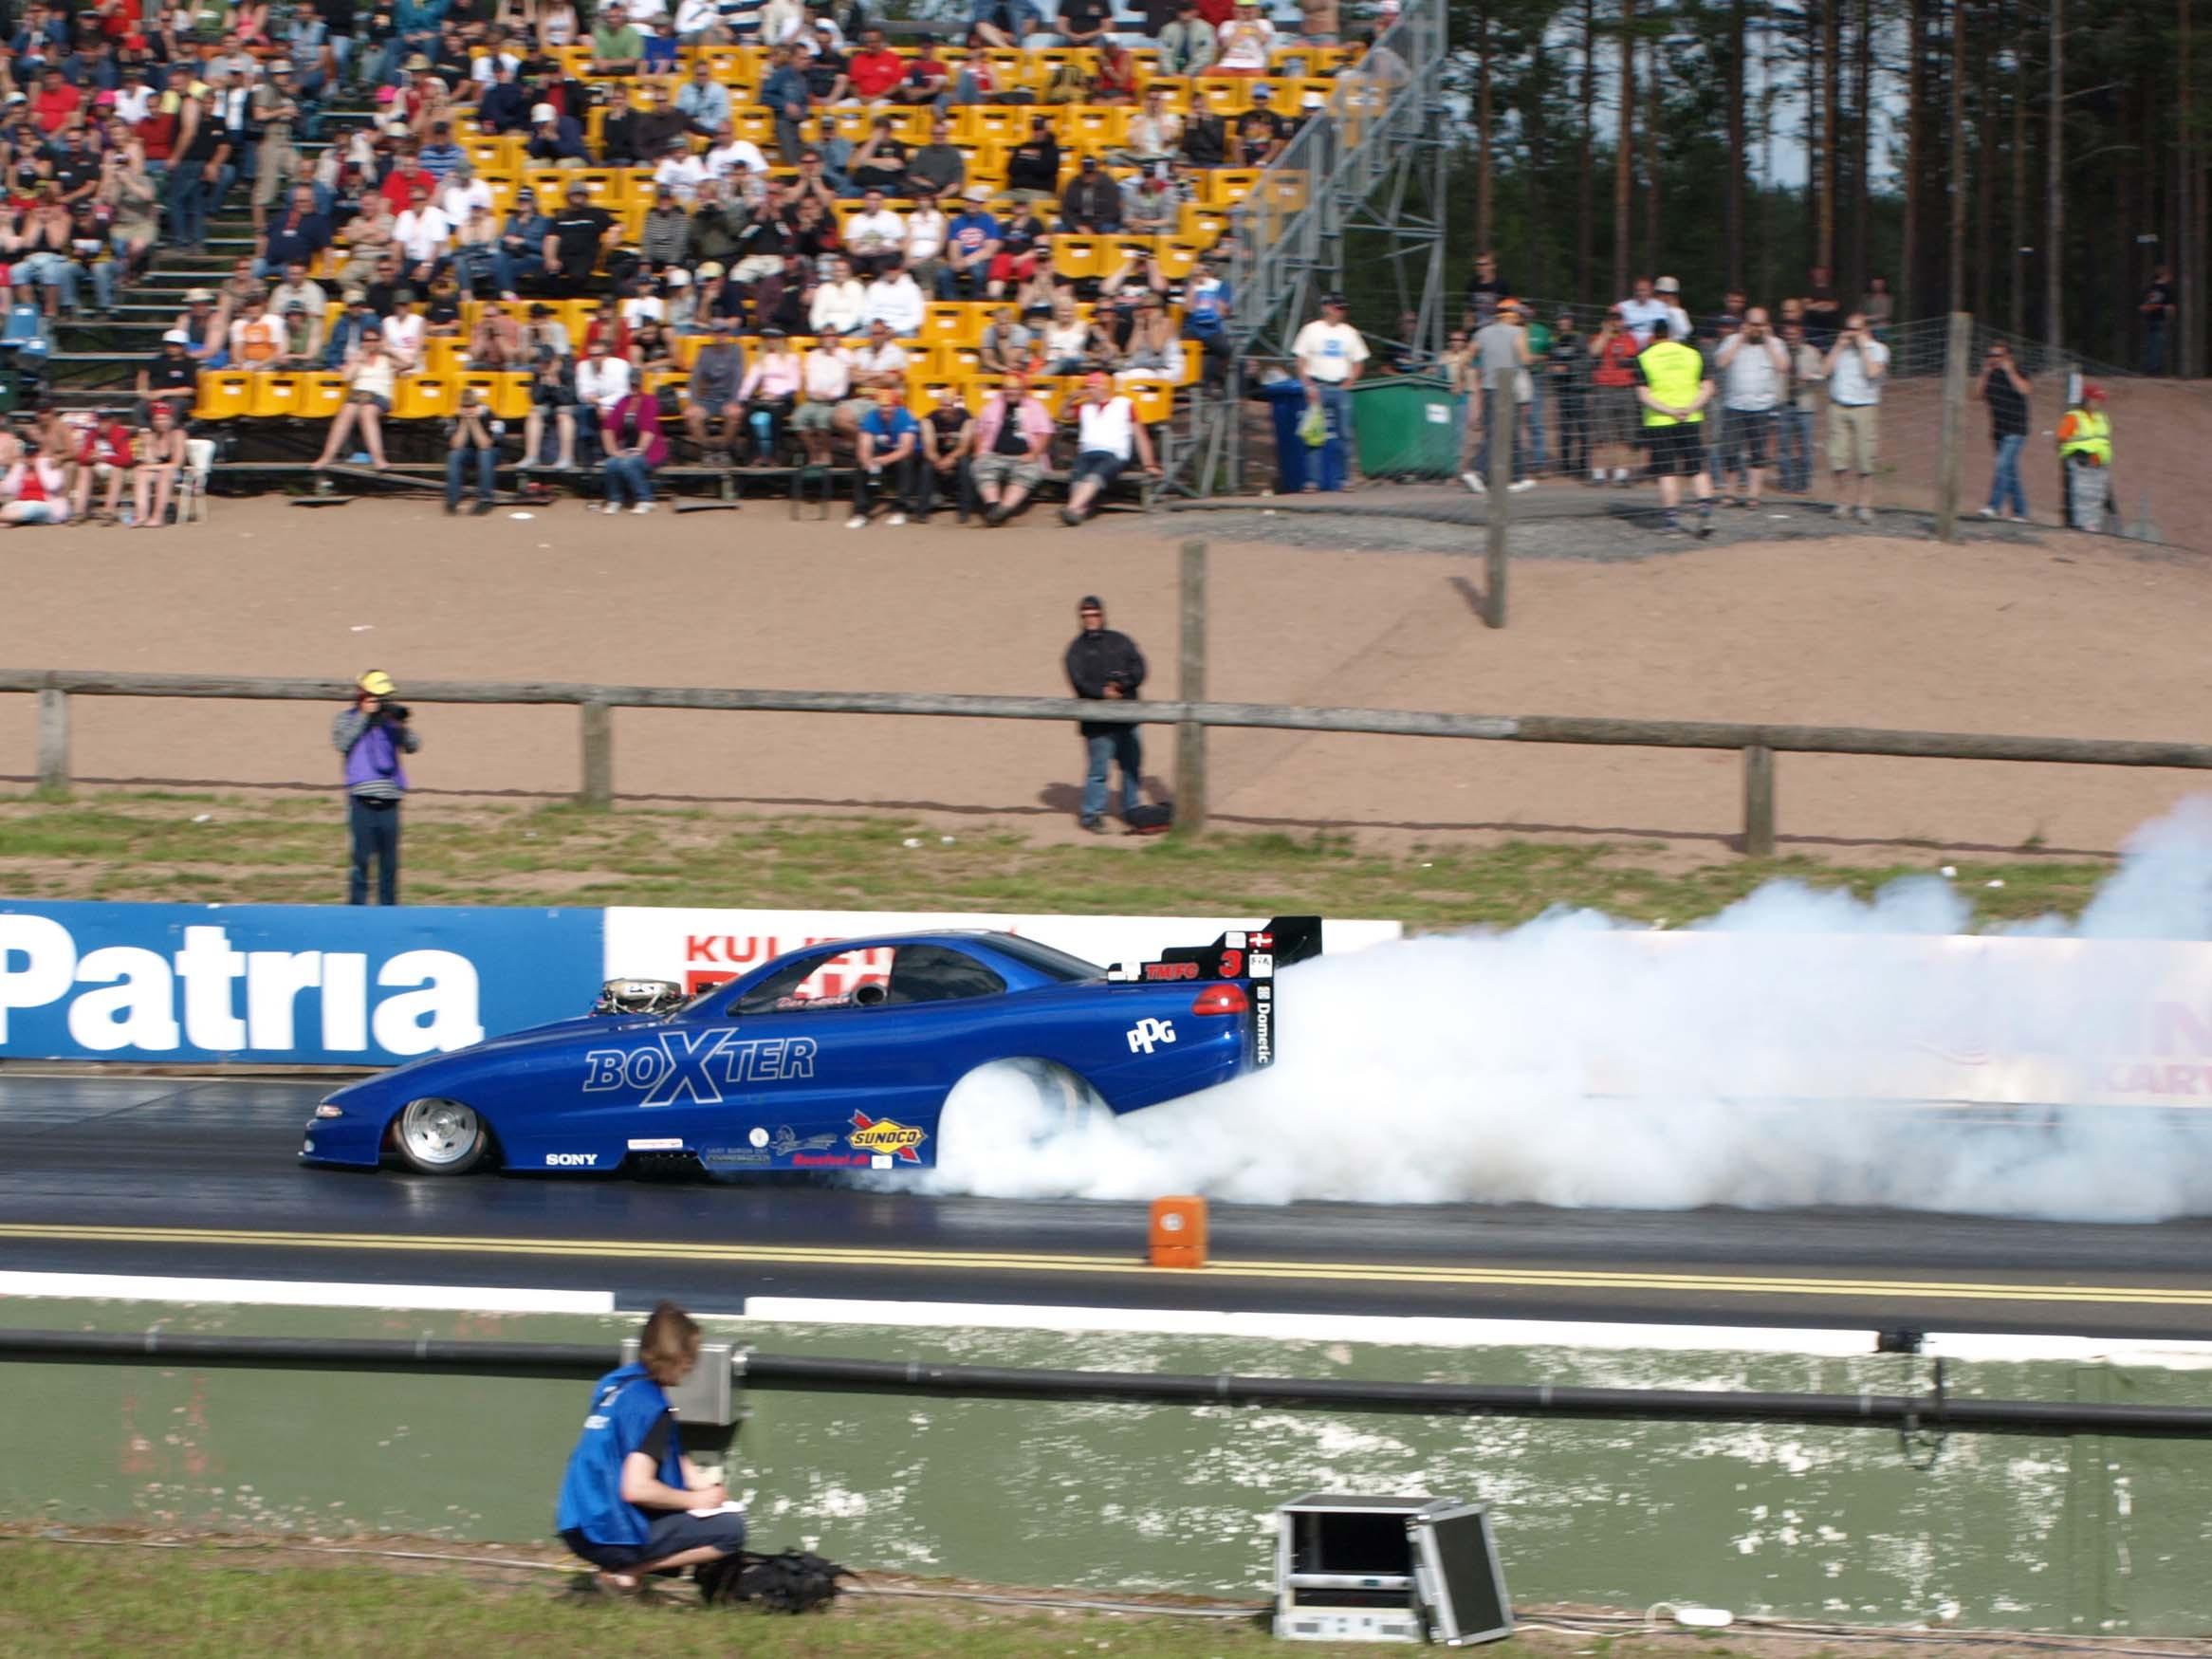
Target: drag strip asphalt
{"x":186,"y":1177}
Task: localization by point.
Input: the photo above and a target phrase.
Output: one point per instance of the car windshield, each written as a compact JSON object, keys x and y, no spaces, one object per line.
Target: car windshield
{"x":1044,"y":959}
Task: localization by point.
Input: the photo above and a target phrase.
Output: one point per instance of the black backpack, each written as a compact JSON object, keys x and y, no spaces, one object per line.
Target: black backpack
{"x":794,"y":1581}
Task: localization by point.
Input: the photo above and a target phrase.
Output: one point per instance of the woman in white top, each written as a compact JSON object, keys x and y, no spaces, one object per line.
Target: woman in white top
{"x":1067,"y":341}
{"x":556,"y":24}
{"x":372,"y":379}
{"x":1244,"y":39}
{"x":841,"y":303}
{"x":1155,"y":350}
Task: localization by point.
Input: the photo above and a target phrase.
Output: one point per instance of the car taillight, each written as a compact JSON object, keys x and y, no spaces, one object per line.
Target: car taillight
{"x":1221,"y":999}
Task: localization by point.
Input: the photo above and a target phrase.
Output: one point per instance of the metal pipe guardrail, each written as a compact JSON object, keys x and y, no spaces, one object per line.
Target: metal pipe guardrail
{"x":1758,"y":743}
{"x":1935,"y":1413}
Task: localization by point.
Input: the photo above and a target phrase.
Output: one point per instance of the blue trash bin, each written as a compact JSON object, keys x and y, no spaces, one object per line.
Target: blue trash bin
{"x":1286,"y":401}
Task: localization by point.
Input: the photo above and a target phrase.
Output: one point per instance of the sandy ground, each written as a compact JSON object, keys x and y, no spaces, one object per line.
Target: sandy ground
{"x":2068,"y":637}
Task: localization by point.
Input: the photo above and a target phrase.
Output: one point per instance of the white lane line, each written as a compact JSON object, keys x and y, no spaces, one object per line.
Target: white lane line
{"x":308,"y":1293}
{"x":1406,"y":1332}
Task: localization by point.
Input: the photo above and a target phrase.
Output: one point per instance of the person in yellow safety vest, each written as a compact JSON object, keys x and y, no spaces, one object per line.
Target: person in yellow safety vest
{"x":1673,"y":386}
{"x":2085,"y":449}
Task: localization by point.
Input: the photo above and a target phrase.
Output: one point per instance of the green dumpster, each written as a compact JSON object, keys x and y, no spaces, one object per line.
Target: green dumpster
{"x":1408,"y":427}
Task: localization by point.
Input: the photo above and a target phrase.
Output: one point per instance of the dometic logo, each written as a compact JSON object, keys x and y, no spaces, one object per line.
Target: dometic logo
{"x":884,"y":1135}
{"x":1147,"y":1033}
{"x":696,"y":1065}
{"x":190,"y":999}
{"x":571,"y":1160}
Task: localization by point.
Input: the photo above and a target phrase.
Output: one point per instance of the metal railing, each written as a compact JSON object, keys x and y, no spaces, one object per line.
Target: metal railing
{"x":1758,"y":743}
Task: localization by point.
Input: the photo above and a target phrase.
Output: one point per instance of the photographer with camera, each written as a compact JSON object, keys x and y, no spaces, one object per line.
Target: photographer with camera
{"x":372,"y":733}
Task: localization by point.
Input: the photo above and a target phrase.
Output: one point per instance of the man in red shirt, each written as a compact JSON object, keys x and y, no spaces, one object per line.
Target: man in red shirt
{"x":407,"y":175}
{"x":874,"y":71}
{"x":1616,"y":417}
{"x":58,"y":103}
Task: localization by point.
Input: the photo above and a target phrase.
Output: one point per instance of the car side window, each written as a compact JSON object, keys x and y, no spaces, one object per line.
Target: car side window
{"x":933,"y":973}
{"x":846,"y":979}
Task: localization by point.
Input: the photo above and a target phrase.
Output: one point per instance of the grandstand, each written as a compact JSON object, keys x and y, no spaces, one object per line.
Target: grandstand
{"x":1253,"y":219}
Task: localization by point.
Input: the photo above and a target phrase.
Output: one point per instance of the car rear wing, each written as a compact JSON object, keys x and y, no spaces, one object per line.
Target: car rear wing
{"x":1254,"y":955}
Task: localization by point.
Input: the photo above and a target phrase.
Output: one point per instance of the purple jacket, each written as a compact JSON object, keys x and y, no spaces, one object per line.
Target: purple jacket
{"x":373,"y":767}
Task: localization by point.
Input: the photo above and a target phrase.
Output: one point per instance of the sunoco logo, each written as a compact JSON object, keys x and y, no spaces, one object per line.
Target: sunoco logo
{"x":206,"y":995}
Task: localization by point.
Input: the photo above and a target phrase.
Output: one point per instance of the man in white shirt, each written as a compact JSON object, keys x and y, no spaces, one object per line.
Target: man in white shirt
{"x":680,"y":172}
{"x":461,"y":193}
{"x":926,"y":230}
{"x":881,"y":361}
{"x":1107,"y":434}
{"x":728,"y":153}
{"x":404,"y":331}
{"x":421,"y":233}
{"x":841,"y":303}
{"x":875,"y":236}
{"x":1643,"y":315}
{"x":1669,"y":295}
{"x":1857,"y":363}
{"x":1331,"y":355}
{"x":825,"y":385}
{"x":601,"y":381}
{"x":1754,"y":369}
{"x":894,"y":298}
{"x":1244,"y":41}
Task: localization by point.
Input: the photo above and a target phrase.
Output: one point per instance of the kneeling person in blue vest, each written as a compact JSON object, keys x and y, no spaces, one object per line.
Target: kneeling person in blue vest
{"x":630,"y":1504}
{"x":1674,"y":386}
{"x":372,"y":733}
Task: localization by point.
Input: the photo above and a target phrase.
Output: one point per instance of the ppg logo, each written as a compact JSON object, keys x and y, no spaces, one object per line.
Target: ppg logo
{"x":1147,"y":1034}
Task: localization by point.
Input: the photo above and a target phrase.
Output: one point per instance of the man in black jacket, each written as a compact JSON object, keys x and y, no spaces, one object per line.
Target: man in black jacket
{"x":1106,"y":666}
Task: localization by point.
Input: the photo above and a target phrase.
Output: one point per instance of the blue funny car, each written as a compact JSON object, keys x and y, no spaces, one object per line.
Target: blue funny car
{"x":839,"y":1056}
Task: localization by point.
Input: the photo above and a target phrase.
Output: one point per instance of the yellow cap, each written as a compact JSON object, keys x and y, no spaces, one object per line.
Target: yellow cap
{"x":377,"y":683}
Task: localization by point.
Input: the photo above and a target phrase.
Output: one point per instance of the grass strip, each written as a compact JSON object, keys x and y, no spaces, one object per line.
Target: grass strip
{"x":220,"y":848}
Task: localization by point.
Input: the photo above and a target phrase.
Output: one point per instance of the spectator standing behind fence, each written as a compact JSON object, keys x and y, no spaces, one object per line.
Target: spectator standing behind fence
{"x":1105,"y":666}
{"x":373,"y":733}
{"x":1794,"y":420}
{"x":1675,"y":388}
{"x":630,"y":1502}
{"x":1855,"y":365}
{"x":2157,"y":307}
{"x":1566,"y":373}
{"x":1616,"y":417}
{"x":1330,"y":355}
{"x":1500,"y":357}
{"x":2085,"y":451}
{"x":2006,"y":391}
{"x":1755,"y":369}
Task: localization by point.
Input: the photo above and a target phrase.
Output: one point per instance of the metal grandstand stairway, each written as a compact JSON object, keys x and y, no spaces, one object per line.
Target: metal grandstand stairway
{"x":1377,"y":165}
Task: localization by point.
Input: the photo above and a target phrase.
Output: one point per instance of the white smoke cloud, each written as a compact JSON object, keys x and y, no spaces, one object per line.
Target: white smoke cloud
{"x":1798,"y":1049}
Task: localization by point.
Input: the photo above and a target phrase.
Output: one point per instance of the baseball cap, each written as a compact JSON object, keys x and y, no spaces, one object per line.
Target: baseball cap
{"x":978,"y":193}
{"x":1090,"y":602}
{"x":176,"y":337}
{"x":711,"y":268}
{"x":377,"y":683}
{"x":1332,"y":299}
{"x":678,"y":278}
{"x":2093,"y":394}
{"x":1667,"y":286}
{"x":282,"y":67}
{"x":355,"y":295}
{"x":542,"y":113}
{"x":200,"y":296}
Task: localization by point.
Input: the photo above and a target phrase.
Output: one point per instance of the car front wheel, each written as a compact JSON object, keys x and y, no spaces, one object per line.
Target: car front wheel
{"x":441,"y":1137}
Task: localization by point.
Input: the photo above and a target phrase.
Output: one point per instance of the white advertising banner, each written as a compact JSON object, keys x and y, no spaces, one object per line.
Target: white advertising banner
{"x":698,"y":948}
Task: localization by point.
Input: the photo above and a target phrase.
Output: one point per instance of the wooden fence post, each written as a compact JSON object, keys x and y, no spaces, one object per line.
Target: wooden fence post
{"x":1958,"y":346}
{"x":1758,"y":802}
{"x":599,"y":755}
{"x":1191,"y":687}
{"x":53,"y":742}
{"x":1497,"y":395}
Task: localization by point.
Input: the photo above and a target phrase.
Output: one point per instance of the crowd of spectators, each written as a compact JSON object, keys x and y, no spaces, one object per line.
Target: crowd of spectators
{"x":128,"y":126}
{"x":1577,"y":404}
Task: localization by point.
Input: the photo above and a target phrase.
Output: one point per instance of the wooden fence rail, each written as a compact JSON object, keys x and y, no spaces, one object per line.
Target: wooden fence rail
{"x":1758,"y":744}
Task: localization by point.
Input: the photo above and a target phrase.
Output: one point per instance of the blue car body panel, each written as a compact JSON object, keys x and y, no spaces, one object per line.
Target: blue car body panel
{"x":828,"y":1083}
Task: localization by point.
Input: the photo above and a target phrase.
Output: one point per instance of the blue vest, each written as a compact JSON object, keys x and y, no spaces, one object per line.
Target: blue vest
{"x":625,"y":1404}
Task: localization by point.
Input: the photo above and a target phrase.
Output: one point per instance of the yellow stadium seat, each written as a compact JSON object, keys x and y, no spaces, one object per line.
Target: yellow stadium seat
{"x":509,"y":391}
{"x":224,"y":394}
{"x":425,"y":396}
{"x":953,"y":322}
{"x":689,"y":347}
{"x":274,"y":395}
{"x":1227,"y":95}
{"x":1155,"y":400}
{"x":1076,"y":257}
{"x":725,"y":64}
{"x":1005,"y":122}
{"x":755,"y":125}
{"x":660,"y":379}
{"x":444,"y":354}
{"x":1178,"y":256}
{"x":322,"y":394}
{"x":1097,"y":125}
{"x":1201,"y":223}
{"x":955,"y":362}
{"x":1223,"y":187}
